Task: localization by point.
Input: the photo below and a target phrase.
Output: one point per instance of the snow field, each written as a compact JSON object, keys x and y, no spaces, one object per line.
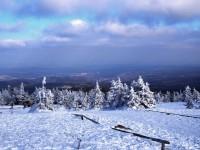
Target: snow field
{"x":61,"y":130}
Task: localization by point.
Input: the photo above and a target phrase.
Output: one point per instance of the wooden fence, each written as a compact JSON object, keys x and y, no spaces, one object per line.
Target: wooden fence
{"x":169,"y":113}
{"x":124,"y":129}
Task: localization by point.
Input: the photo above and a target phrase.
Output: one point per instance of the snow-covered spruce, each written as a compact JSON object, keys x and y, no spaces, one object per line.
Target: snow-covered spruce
{"x":192,"y":98}
{"x":178,"y":96}
{"x":78,"y":100}
{"x":188,"y":97}
{"x":43,"y":99}
{"x":115,"y":95}
{"x":144,"y":96}
{"x":196,"y":97}
{"x":98,"y":97}
{"x":134,"y":100}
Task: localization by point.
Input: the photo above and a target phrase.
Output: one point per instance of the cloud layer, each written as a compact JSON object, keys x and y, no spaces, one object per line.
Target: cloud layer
{"x":108,"y":31}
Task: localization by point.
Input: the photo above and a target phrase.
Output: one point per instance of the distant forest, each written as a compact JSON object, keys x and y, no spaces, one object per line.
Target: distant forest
{"x":160,"y":78}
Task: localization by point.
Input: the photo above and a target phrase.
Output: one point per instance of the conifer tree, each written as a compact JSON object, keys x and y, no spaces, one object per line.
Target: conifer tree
{"x":125,"y":95}
{"x":114,"y":97}
{"x":134,"y":100}
{"x":44,"y":98}
{"x":99,"y":97}
{"x":196,"y":96}
{"x":146,"y":96}
{"x":188,"y":97}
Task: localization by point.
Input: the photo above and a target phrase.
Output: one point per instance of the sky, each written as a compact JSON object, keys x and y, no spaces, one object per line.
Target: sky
{"x":61,"y":33}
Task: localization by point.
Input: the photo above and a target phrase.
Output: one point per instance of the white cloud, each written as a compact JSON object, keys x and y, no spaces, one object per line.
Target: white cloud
{"x":181,"y":8}
{"x":70,"y":28}
{"x":114,"y":28}
{"x":50,"y":39}
{"x":79,"y":24}
{"x":12,"y":43}
{"x":134,"y":29}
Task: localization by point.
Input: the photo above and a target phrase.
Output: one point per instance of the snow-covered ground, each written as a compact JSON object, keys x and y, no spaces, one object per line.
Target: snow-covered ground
{"x":60,"y":130}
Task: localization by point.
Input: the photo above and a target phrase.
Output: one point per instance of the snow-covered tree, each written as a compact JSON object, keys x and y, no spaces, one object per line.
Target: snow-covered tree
{"x":134,"y":100}
{"x":108,"y":100}
{"x":81,"y":98}
{"x":20,"y":95}
{"x":98,"y":97}
{"x":7,"y":97}
{"x":35,"y":96}
{"x":85,"y":104}
{"x":159,"y":97}
{"x":114,"y":96}
{"x":147,"y":96}
{"x":167,"y":97}
{"x":1,"y":99}
{"x":125,"y":95}
{"x":139,"y":84}
{"x":110,"y":95}
{"x":58,"y":96}
{"x":12,"y":96}
{"x":196,"y":97}
{"x":175,"y":96}
{"x":68,"y":98}
{"x":44,"y":98}
{"x":91,"y":99}
{"x":49,"y":99}
{"x":188,"y":97}
{"x":143,"y":91}
{"x":78,"y":99}
{"x":178,"y":96}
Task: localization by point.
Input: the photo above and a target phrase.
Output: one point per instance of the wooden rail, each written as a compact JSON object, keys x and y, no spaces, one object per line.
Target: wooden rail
{"x":124,"y":129}
{"x":168,"y":113}
{"x":83,"y":116}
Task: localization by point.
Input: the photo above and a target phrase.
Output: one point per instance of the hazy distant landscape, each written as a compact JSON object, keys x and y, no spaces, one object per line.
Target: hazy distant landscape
{"x":160,"y":78}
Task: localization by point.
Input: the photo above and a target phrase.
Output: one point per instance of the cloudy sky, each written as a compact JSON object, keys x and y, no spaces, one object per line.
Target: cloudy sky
{"x":60,"y":33}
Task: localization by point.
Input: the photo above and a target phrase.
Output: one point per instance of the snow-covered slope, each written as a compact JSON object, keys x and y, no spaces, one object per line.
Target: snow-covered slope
{"x":61,"y":130}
